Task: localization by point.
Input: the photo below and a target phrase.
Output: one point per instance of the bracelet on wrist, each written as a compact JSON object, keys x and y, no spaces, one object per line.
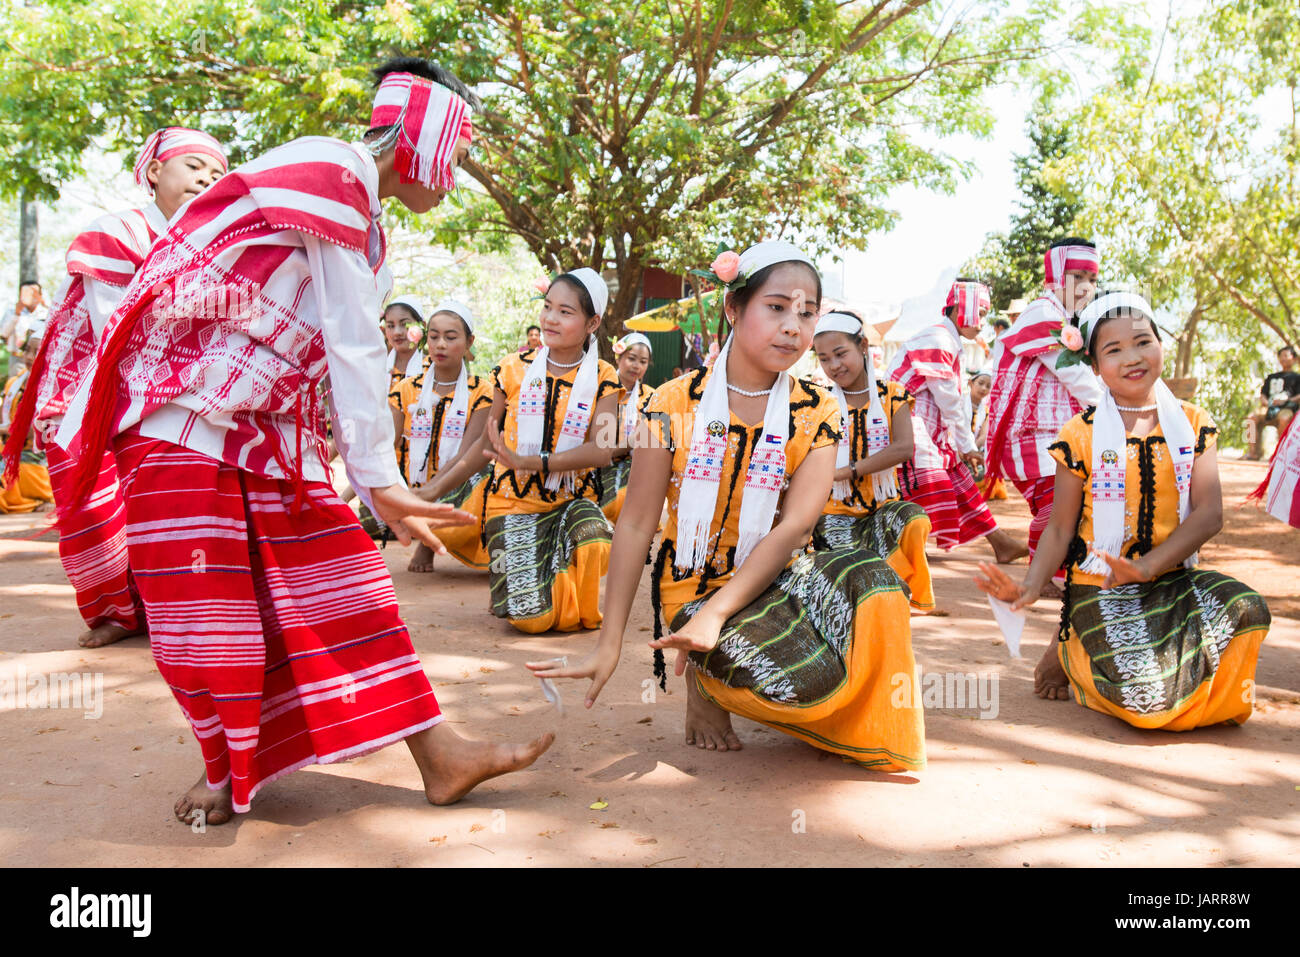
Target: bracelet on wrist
{"x":545,"y":456}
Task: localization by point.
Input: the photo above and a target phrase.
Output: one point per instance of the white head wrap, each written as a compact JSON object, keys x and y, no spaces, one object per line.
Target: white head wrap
{"x":595,"y":287}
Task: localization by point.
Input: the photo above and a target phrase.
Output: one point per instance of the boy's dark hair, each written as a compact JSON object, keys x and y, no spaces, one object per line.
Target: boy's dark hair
{"x":1286,"y":349}
{"x":1000,"y":322}
{"x":756,"y":282}
{"x":584,"y":297}
{"x":531,"y":328}
{"x":429,"y":70}
{"x":29,"y":282}
{"x":1073,"y":241}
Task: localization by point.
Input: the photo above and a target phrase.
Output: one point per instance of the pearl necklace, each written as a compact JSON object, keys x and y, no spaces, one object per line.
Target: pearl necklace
{"x":751,"y":395}
{"x":564,"y":365}
{"x":452,"y":382}
{"x":1136,"y":408}
{"x":859,"y":392}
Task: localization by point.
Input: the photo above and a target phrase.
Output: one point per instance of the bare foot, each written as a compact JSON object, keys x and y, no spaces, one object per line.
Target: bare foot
{"x":422,"y":560}
{"x":213,"y":806}
{"x":106,"y":634}
{"x":451,"y":766}
{"x":1005,"y":548}
{"x":707,"y":726}
{"x":1050,"y":682}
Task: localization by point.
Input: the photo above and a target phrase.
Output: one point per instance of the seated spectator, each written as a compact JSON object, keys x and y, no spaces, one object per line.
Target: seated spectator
{"x":1281,"y":399}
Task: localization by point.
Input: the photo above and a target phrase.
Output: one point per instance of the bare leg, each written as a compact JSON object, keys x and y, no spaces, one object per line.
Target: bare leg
{"x":707,"y":726}
{"x":451,"y":766}
{"x":1005,"y":548}
{"x":214,"y":806}
{"x":1050,"y":681}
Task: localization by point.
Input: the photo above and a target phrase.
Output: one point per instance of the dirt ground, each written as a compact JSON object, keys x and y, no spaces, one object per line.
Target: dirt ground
{"x":1038,"y":784}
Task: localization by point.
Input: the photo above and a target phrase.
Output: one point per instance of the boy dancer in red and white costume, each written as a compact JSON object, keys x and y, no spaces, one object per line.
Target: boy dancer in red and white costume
{"x":174,"y":165}
{"x":1280,"y":490}
{"x":271,"y":614}
{"x":937,"y":477}
{"x":1031,"y":398}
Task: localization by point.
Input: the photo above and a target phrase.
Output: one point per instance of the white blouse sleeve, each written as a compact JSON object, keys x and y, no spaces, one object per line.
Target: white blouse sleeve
{"x":348,"y":304}
{"x":102,"y":300}
{"x":949,"y":400}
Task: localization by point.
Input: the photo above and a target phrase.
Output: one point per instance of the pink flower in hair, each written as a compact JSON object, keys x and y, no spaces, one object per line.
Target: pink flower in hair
{"x":727,"y":266}
{"x":619,"y":347}
{"x":414,"y":334}
{"x":1071,"y":338}
{"x":713,"y":352}
{"x":543,"y":286}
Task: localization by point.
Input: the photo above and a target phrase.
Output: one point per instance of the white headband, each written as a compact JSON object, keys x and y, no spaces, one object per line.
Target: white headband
{"x":457,"y":308}
{"x":636,"y":339}
{"x":595,"y":287}
{"x":838,"y":322}
{"x":1110,"y":302}
{"x":761,"y":255}
{"x":414,"y":303}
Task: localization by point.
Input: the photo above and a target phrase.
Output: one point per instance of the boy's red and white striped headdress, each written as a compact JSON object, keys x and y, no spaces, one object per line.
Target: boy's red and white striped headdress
{"x":171,"y":141}
{"x":967,"y":298}
{"x":1058,"y":260}
{"x":432,"y":119}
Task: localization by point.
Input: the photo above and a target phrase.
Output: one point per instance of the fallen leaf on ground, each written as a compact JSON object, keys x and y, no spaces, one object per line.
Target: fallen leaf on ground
{"x":599,"y":805}
{"x":646,"y":840}
{"x":440,"y":839}
{"x":475,"y":827}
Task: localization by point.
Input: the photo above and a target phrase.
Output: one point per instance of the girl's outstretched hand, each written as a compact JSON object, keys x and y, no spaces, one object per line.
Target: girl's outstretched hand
{"x":701,"y":633}
{"x":998,"y":583}
{"x":1123,"y":571}
{"x":598,"y":666}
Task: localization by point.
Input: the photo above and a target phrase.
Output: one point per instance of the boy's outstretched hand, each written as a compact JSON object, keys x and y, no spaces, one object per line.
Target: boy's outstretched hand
{"x":409,"y":516}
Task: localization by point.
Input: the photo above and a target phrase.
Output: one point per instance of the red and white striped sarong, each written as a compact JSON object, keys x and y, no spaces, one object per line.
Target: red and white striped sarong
{"x":951,"y":499}
{"x":1038,"y":493}
{"x":92,"y":546}
{"x":277,"y":632}
{"x":937,"y":480}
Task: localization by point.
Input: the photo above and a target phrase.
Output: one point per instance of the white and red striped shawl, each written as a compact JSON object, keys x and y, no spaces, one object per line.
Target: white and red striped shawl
{"x":932,"y":353}
{"x":220,"y":316}
{"x":1026,"y":396}
{"x":109,"y":252}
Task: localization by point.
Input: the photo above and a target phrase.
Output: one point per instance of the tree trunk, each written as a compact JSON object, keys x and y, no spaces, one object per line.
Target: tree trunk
{"x":621,"y":307}
{"x":28,"y":234}
{"x":1186,"y":344}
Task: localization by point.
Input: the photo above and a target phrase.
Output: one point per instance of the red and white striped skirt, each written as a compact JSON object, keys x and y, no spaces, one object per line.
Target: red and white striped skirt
{"x":92,"y":545}
{"x":278,"y":632}
{"x":958,"y":513}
